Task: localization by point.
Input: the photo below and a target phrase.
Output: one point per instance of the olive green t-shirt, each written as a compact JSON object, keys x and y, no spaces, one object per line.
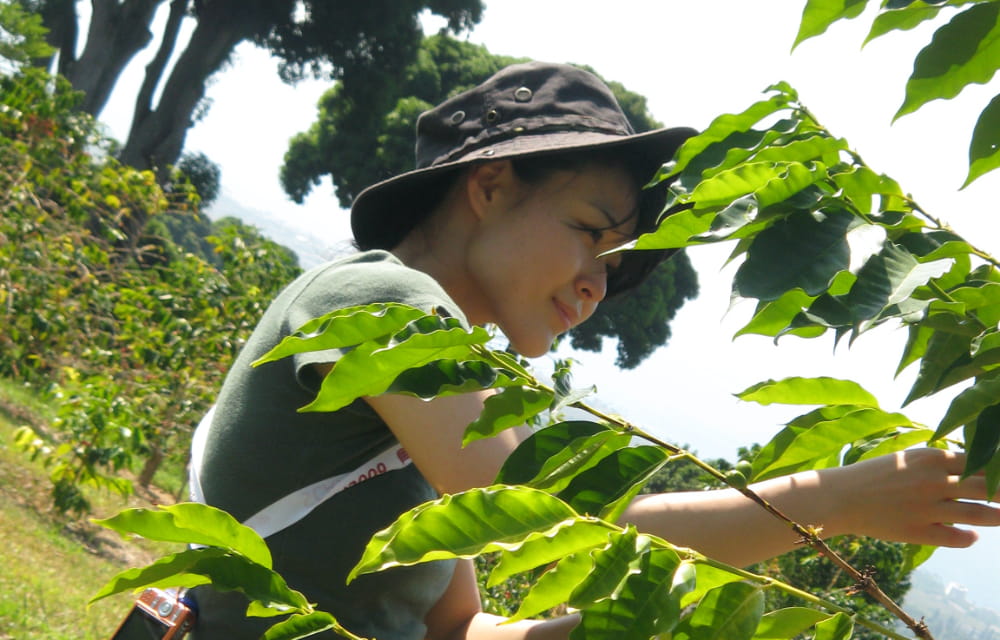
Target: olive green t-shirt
{"x":260,"y":449}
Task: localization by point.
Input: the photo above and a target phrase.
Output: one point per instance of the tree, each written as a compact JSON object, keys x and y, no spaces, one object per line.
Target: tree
{"x":346,"y":40}
{"x":340,"y":144}
{"x":22,"y":36}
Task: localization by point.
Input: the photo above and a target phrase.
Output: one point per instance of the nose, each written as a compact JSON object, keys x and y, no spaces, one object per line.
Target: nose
{"x":592,"y":286}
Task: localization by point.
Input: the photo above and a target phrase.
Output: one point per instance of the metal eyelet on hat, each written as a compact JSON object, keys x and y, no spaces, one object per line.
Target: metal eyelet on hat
{"x":492,"y":116}
{"x":458,"y":117}
{"x":523,"y":94}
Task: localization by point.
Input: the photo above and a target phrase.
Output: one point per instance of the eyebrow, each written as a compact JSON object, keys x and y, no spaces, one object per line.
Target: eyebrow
{"x":615,"y":223}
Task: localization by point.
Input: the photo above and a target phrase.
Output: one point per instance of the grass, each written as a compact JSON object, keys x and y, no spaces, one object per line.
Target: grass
{"x":53,"y":564}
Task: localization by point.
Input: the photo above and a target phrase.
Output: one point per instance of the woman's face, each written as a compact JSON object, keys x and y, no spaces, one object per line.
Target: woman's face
{"x":534,"y":259}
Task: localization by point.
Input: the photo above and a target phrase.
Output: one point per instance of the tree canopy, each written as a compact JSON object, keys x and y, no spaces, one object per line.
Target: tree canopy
{"x":364,"y":133}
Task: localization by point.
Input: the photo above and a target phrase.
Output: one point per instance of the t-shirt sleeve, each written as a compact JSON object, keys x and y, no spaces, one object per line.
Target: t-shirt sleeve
{"x":359,"y":283}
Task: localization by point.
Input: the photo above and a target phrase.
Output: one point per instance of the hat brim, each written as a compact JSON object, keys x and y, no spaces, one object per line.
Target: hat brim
{"x":385,"y":212}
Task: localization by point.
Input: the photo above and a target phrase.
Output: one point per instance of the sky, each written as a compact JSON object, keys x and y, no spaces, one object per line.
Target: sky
{"x":693,"y":60}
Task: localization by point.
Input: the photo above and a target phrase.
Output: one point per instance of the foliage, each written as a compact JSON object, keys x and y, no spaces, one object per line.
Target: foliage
{"x":348,"y":40}
{"x":22,"y":36}
{"x":203,"y":174}
{"x":350,"y":117}
{"x":131,"y":339}
{"x":963,"y":51}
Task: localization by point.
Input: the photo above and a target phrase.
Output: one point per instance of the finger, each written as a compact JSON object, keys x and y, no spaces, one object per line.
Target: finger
{"x":971,"y":513}
{"x":971,"y":488}
{"x":946,"y":535}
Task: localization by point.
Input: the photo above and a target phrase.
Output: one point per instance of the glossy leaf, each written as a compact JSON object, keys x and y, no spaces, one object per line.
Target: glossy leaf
{"x":191,"y":523}
{"x":647,"y":603}
{"x":797,"y":253}
{"x":838,"y":627}
{"x":889,"y":278}
{"x":448,"y":376}
{"x":511,"y":407}
{"x":707,"y":578}
{"x":797,"y":449}
{"x":797,"y":390}
{"x":612,"y":564}
{"x":902,"y":19}
{"x":676,"y":231}
{"x":729,"y":612}
{"x":605,"y":489}
{"x":896,"y":442}
{"x":787,"y":623}
{"x":225,"y":571}
{"x":304,"y":625}
{"x":555,"y":586}
{"x":984,"y":150}
{"x":773,"y":317}
{"x":344,"y":328}
{"x":464,"y":525}
{"x":962,"y":52}
{"x":566,"y":541}
{"x":968,"y":404}
{"x":818,"y":15}
{"x":554,"y":464}
{"x":370,"y":368}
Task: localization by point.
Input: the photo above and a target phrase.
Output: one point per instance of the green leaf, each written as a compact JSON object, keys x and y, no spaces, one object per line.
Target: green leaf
{"x":897,"y":442}
{"x":725,"y":125}
{"x":552,"y":462}
{"x":915,"y":555}
{"x":839,"y":627}
{"x":302,"y":626}
{"x":797,"y":390}
{"x":581,"y":535}
{"x":606,"y":488}
{"x":968,"y":404}
{"x":901,"y":19}
{"x":796,"y":449}
{"x":191,"y":523}
{"x":449,"y":377}
{"x":889,"y":278}
{"x":647,"y":603}
{"x":984,"y":150}
{"x":612,"y":564}
{"x":944,"y":351}
{"x":676,"y":231}
{"x":962,"y":52}
{"x":729,"y":612}
{"x":344,"y":328}
{"x":860,"y":184}
{"x":769,"y":182}
{"x":512,"y":407}
{"x":371,"y":368}
{"x":818,"y":15}
{"x":799,"y":252}
{"x":464,"y":525}
{"x":787,"y":623}
{"x":222,"y":569}
{"x":707,"y":578}
{"x":982,"y":441}
{"x":555,"y":586}
{"x":773,"y":317}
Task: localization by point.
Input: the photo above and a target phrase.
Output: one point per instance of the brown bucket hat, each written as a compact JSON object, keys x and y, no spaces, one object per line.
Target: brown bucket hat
{"x":523,"y":110}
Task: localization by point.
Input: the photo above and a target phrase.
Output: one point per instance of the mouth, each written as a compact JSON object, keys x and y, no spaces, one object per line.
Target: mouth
{"x":567,"y":315}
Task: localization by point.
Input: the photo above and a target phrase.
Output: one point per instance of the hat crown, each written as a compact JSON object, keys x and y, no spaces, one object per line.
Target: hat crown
{"x":520,"y":100}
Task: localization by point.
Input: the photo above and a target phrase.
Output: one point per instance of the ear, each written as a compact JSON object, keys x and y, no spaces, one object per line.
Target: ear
{"x":491,"y":186}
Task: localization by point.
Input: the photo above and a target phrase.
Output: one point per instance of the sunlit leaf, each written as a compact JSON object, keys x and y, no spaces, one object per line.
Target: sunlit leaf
{"x":226,"y":571}
{"x":798,"y":390}
{"x":902,"y":19}
{"x":464,"y":525}
{"x":555,"y":586}
{"x":676,"y":231}
{"x":448,"y":376}
{"x":797,"y":253}
{"x":962,"y":52}
{"x":984,"y":150}
{"x":566,"y":541}
{"x":818,"y":15}
{"x":612,"y":564}
{"x":861,"y":184}
{"x":915,"y":555}
{"x":839,"y":627}
{"x":708,"y":577}
{"x":191,"y":523}
{"x":604,"y":489}
{"x":774,"y":316}
{"x":968,"y":404}
{"x":729,"y":612}
{"x":734,"y":149}
{"x":344,"y":328}
{"x":511,"y":407}
{"x":301,"y":626}
{"x":787,"y":623}
{"x":896,"y":442}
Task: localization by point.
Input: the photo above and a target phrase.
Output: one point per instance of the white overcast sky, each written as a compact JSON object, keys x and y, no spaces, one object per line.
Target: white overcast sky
{"x":693,"y":60}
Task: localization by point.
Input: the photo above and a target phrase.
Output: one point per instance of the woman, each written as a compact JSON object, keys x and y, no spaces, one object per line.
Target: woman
{"x":523,"y":184}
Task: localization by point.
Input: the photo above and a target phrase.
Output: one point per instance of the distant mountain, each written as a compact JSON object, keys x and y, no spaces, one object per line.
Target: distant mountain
{"x":947,"y":610}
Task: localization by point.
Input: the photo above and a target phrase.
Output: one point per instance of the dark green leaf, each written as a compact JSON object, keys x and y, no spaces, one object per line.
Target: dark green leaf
{"x":889,"y":278}
{"x":944,"y":351}
{"x":982,"y":441}
{"x":729,"y":612}
{"x":449,"y":377}
{"x":984,"y":150}
{"x":962,"y":52}
{"x":969,"y":404}
{"x":799,"y":252}
{"x":512,"y":407}
{"x":606,"y":487}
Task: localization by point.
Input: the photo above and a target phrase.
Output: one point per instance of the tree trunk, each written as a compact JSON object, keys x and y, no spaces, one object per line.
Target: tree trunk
{"x":149,"y":469}
{"x":59,"y":17}
{"x":117,"y":32}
